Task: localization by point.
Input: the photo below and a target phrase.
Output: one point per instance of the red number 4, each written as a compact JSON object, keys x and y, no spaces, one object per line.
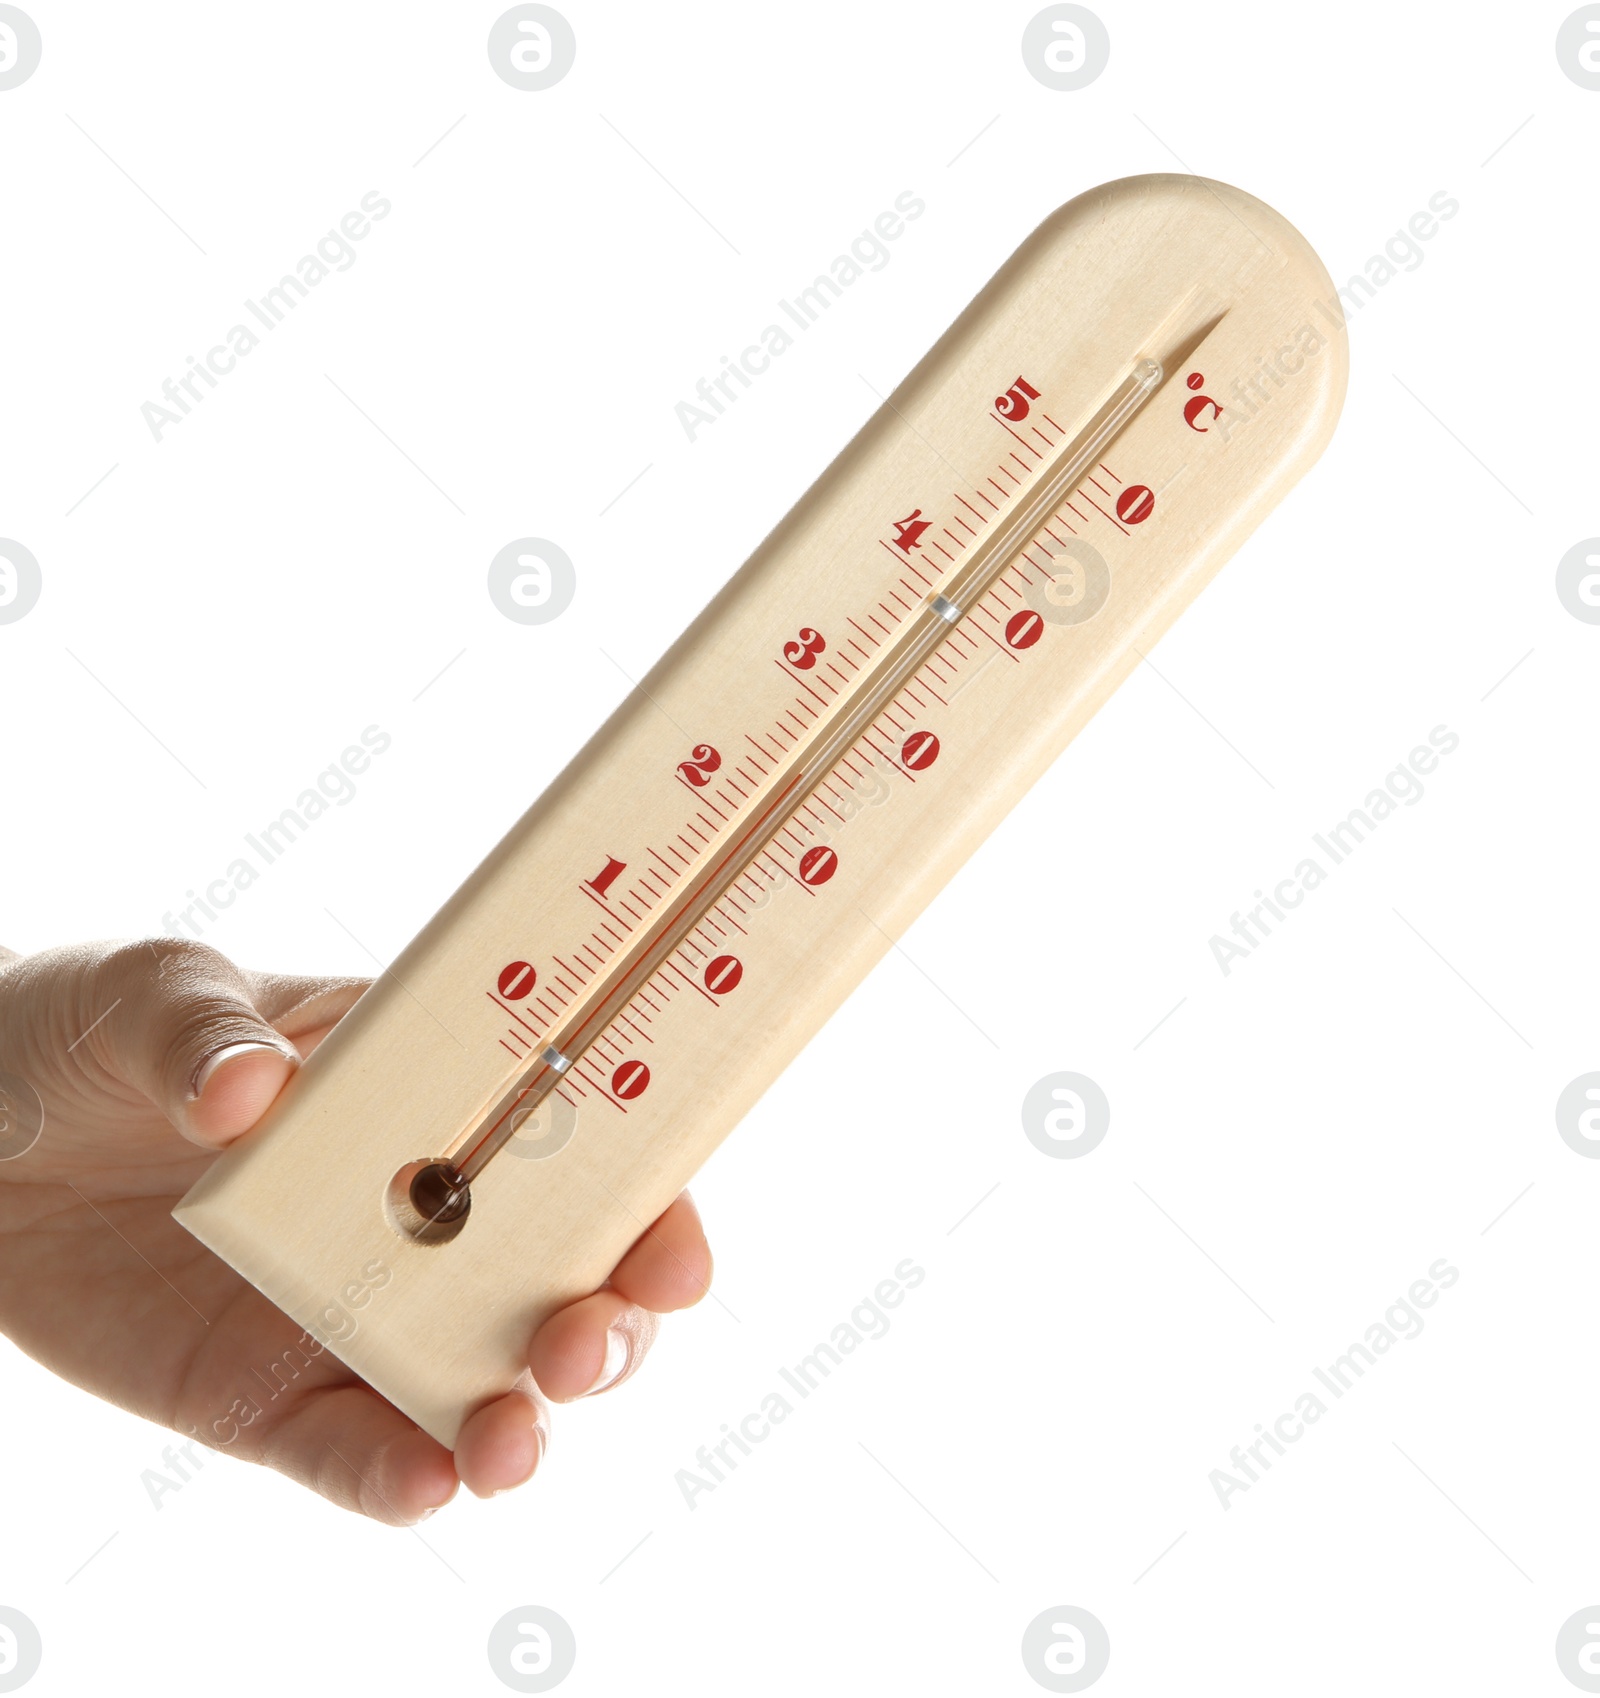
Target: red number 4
{"x":908,"y":531}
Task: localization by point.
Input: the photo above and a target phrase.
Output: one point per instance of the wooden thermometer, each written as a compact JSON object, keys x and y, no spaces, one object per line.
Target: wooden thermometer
{"x":583,"y":1022}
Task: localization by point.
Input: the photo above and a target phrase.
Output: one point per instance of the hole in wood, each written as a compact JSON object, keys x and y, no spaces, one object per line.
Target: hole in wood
{"x":428,"y":1202}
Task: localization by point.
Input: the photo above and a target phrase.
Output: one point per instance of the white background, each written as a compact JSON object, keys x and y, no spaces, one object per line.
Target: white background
{"x":1364,"y":1095}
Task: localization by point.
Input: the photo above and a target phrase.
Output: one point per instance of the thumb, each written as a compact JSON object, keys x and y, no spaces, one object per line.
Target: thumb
{"x":234,"y":1087}
{"x":195,"y":1042}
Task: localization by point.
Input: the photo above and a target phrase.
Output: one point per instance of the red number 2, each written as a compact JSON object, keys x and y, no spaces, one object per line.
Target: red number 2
{"x":698,"y":770}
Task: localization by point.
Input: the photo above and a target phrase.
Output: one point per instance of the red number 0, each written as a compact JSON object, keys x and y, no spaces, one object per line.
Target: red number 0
{"x":803,"y":654}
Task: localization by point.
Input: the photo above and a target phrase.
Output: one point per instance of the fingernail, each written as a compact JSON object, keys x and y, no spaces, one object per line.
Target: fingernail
{"x":616,"y":1362}
{"x":213,"y":1061}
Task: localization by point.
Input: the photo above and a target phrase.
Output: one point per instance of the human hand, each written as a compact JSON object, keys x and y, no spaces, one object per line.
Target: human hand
{"x":150,"y":1058}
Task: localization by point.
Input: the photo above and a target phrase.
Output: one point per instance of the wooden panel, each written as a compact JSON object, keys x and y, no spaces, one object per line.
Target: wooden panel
{"x":1199,"y":277}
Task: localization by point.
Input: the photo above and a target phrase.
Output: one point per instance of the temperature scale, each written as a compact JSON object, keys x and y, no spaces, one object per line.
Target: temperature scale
{"x":550,"y":1061}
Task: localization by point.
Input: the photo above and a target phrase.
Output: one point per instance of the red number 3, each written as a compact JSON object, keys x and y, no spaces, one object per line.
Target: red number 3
{"x":803,"y":654}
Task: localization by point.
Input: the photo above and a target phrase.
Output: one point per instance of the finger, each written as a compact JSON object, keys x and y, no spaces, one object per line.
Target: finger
{"x":361,"y":1453}
{"x":302,"y":1007}
{"x":591,"y":1346}
{"x":234,"y":1087}
{"x":669,"y":1266}
{"x":184,"y":1029}
{"x":500,"y":1445}
{"x":231,"y":1098}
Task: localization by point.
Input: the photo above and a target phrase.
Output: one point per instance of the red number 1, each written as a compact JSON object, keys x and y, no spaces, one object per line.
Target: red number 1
{"x":607,"y":876}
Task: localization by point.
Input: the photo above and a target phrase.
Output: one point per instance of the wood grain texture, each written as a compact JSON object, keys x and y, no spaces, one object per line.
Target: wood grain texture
{"x":1194,"y":274}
